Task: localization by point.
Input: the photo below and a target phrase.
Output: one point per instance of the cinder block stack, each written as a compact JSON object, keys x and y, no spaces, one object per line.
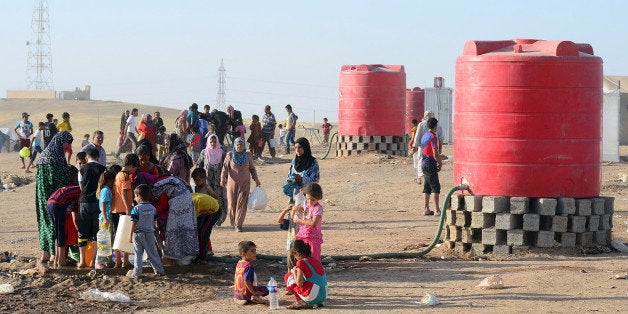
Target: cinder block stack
{"x":503,"y":225}
{"x":355,"y":145}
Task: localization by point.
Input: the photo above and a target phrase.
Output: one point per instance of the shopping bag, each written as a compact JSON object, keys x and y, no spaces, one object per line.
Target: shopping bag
{"x":258,"y":198}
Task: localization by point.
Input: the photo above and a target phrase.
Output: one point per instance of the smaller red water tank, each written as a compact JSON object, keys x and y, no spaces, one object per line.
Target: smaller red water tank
{"x":372,"y":100}
{"x":415,"y":103}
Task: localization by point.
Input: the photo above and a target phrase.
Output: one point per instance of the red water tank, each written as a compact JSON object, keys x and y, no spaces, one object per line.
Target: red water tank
{"x":372,"y":100}
{"x":527,"y":120}
{"x":415,"y":103}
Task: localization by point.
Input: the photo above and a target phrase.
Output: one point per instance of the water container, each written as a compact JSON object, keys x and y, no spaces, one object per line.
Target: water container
{"x":122,"y":235}
{"x":527,"y":120}
{"x":103,"y":241}
{"x":273,"y":301}
{"x":415,"y":104}
{"x":372,"y":100}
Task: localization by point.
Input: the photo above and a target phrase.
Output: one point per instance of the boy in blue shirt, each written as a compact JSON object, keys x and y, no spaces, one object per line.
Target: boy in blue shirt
{"x":143,"y":217}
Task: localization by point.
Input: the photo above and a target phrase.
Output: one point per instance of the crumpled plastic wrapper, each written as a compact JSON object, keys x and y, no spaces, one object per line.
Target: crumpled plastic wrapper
{"x":491,"y":282}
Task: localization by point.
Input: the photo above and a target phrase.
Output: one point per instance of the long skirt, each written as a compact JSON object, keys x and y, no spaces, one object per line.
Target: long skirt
{"x":49,"y":178}
{"x":213,"y":180}
{"x":181,"y":235}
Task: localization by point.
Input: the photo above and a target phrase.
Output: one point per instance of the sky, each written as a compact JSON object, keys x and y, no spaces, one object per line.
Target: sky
{"x":167,"y":53}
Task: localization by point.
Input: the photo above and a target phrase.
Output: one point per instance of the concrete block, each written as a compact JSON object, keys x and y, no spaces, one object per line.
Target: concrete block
{"x":495,"y":204}
{"x":446,"y":233}
{"x":491,"y":236}
{"x":514,"y":237}
{"x":545,"y":239}
{"x":599,"y":237}
{"x":609,"y":204}
{"x":450,"y":217}
{"x":593,"y":223}
{"x":531,"y":222}
{"x":566,"y":206}
{"x":519,"y":205}
{"x":577,"y":224}
{"x":480,"y":249}
{"x":466,"y":235}
{"x":559,"y":223}
{"x":482,"y":220}
{"x":462,"y":247}
{"x":544,"y":206}
{"x":609,"y":236}
{"x":454,"y":233}
{"x":449,"y":245}
{"x":566,"y":239}
{"x":583,"y":207}
{"x":463,"y":218}
{"x":457,"y":202}
{"x":505,"y":221}
{"x":473,"y":203}
{"x":605,"y":222}
{"x":501,"y":249}
{"x":584,"y":239}
{"x":598,"y":206}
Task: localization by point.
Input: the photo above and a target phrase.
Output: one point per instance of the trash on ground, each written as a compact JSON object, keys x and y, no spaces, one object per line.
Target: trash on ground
{"x":491,"y":282}
{"x":97,"y":295}
{"x":430,"y":299}
{"x":6,"y":288}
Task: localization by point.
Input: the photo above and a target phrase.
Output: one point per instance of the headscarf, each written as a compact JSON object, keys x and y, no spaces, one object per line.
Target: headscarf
{"x":306,"y":159}
{"x":53,"y":153}
{"x":147,"y":119}
{"x":148,"y":144}
{"x":239,"y":158}
{"x":177,"y":150}
{"x":213,"y":155}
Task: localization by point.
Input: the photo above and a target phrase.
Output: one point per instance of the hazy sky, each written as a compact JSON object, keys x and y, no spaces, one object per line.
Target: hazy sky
{"x":167,"y":53}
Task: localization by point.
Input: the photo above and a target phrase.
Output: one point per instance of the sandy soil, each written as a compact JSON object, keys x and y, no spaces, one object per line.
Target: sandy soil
{"x":371,"y":206}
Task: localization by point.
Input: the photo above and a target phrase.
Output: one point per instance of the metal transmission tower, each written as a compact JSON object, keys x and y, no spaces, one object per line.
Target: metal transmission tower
{"x":39,"y":61}
{"x":221,"y":101}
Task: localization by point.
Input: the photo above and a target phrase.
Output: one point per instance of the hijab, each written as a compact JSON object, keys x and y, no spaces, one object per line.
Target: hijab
{"x":148,"y":144}
{"x":239,"y":158}
{"x":53,"y":154}
{"x":303,"y":162}
{"x":177,"y":150}
{"x":213,"y":155}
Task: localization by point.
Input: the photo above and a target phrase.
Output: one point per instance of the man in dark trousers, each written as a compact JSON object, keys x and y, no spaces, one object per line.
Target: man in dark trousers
{"x":88,"y":207}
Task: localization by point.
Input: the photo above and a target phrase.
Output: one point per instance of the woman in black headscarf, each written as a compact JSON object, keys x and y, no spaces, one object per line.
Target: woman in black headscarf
{"x":303,"y":171}
{"x":178,"y":162}
{"x":53,"y":173}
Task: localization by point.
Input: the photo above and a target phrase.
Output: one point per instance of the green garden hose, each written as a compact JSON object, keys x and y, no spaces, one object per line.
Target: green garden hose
{"x":398,"y":255}
{"x":331,"y":141}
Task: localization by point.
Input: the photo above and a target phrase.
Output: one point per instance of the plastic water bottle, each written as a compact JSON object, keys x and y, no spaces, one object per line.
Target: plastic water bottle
{"x":103,"y":242}
{"x":272,"y":294}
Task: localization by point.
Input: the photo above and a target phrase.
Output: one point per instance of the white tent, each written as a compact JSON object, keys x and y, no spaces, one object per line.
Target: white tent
{"x":610,"y":125}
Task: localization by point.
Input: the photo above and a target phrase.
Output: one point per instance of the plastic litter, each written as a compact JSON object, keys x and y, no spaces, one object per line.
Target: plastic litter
{"x":621,"y":276}
{"x":258,"y":198}
{"x":97,"y":295}
{"x":619,"y":246}
{"x":430,"y":299}
{"x":491,"y":282}
{"x":6,"y":288}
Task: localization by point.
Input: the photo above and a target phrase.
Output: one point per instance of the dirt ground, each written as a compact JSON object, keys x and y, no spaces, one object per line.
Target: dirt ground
{"x":371,"y":205}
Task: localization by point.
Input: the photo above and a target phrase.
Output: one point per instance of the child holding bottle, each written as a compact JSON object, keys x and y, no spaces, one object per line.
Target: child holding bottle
{"x":105,"y":197}
{"x":307,"y":280}
{"x":310,"y":226}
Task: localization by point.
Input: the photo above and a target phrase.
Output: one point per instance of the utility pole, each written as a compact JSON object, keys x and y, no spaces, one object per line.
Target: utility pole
{"x":221,"y":101}
{"x":39,"y":59}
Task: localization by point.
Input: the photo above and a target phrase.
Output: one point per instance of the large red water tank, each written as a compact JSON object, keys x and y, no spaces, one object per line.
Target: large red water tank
{"x":415,"y":103}
{"x":372,"y":100}
{"x":527,"y":120}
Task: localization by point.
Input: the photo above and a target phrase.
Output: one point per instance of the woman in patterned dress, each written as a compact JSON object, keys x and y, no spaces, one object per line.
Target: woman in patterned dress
{"x":177,"y":161}
{"x":52,"y":174}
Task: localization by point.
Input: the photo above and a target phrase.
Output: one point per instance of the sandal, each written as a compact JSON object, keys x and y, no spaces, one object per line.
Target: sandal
{"x":428,"y":213}
{"x":299,"y":305}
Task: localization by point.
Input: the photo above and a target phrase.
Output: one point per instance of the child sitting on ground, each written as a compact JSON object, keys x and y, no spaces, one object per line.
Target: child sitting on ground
{"x":246,"y":289}
{"x":307,"y":280}
{"x":310,"y":226}
{"x":143,"y":218}
{"x":206,"y":217}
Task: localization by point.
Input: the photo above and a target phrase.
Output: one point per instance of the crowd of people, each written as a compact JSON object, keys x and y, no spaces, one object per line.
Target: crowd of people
{"x":86,"y":202}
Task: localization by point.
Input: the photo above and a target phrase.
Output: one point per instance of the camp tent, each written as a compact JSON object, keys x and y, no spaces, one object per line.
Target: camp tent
{"x":13,"y":138}
{"x":620,"y":84}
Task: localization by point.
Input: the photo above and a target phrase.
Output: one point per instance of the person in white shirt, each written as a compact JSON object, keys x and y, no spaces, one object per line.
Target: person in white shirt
{"x":131,"y":129}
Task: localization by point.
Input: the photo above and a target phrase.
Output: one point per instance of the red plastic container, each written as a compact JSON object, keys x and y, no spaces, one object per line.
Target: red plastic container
{"x":415,"y":104}
{"x":527,"y":120}
{"x":372,"y":100}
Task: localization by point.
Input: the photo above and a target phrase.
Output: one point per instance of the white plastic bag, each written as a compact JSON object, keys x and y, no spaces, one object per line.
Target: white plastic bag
{"x":274,"y":142}
{"x":491,"y":282}
{"x":97,"y":295}
{"x":258,"y":198}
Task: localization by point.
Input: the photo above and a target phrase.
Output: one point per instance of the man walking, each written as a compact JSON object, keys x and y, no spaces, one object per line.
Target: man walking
{"x":268,"y":130}
{"x":25,"y":128}
{"x":131,"y":129}
{"x":50,"y":129}
{"x":291,"y":124}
